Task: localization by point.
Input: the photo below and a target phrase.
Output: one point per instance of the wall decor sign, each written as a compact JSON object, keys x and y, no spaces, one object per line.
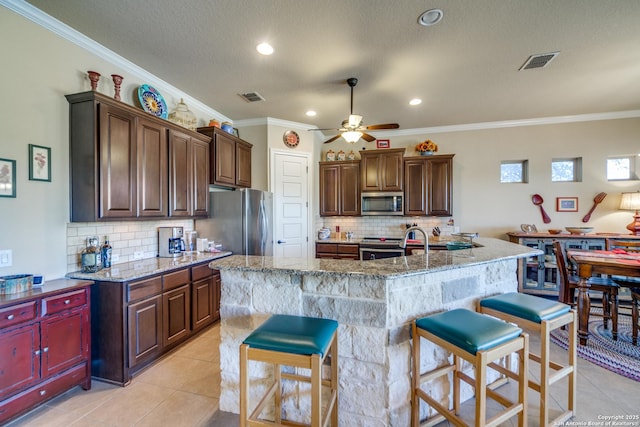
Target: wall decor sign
{"x":39,"y":163}
{"x":7,"y":178}
{"x":382,"y":143}
{"x":566,"y":204}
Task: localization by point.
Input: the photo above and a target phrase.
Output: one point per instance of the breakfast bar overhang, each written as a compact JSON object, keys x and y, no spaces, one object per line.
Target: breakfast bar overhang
{"x":374,"y":303}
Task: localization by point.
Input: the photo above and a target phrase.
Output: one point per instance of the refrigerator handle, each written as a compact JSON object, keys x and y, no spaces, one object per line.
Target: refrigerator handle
{"x":263,"y":222}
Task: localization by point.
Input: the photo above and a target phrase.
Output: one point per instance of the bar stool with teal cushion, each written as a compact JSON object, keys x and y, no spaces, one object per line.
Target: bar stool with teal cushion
{"x":541,"y":315}
{"x":301,"y":342}
{"x":481,"y":341}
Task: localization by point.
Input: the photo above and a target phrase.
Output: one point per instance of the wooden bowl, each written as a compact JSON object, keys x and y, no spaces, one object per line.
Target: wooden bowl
{"x":554,"y":231}
{"x":579,"y":230}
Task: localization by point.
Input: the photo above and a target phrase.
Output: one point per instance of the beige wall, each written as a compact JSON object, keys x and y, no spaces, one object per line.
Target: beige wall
{"x":39,"y":68}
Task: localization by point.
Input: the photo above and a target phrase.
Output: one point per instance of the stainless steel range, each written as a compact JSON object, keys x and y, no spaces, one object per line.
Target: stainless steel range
{"x":372,"y":248}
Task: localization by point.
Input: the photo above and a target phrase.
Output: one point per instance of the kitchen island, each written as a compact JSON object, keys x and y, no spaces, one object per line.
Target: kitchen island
{"x":374,"y":302}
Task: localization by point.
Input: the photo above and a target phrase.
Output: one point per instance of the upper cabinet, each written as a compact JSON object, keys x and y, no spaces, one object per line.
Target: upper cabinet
{"x":381,"y":170}
{"x":428,"y":185}
{"x":230,"y":164}
{"x":122,"y":165}
{"x":340,"y":188}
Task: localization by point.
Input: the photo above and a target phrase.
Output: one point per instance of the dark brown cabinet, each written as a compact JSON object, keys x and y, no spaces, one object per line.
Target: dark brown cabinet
{"x":44,"y":347}
{"x":338,"y":251}
{"x":119,"y":163}
{"x":381,"y":170}
{"x":428,"y":185}
{"x":188,"y":175}
{"x":136,"y":322}
{"x":230,"y":164}
{"x":339,"y":188}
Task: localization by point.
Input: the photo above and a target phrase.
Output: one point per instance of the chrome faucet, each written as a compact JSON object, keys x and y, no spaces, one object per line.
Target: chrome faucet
{"x":424,"y":233}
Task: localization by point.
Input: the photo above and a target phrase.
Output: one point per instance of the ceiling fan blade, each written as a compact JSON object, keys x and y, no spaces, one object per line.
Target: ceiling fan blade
{"x":368,"y":137}
{"x":333,"y":139}
{"x":333,"y":129}
{"x":383,"y":126}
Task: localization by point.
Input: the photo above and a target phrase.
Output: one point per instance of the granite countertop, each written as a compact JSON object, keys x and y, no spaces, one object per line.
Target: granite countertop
{"x":146,"y":267}
{"x":491,"y":250}
{"x":49,"y":287}
{"x":566,"y":234}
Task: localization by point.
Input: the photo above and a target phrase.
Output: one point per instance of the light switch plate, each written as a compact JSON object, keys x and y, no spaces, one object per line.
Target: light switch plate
{"x":6,"y":258}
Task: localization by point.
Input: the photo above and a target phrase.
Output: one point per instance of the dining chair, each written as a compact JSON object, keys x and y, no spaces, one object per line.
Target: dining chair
{"x":635,"y":309}
{"x":606,"y":286}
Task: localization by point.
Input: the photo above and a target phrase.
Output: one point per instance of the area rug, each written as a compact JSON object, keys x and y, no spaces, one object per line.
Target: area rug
{"x":620,"y":356}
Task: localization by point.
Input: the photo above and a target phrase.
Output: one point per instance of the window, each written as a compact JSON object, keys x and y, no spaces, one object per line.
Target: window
{"x":621,"y":168}
{"x":566,"y":170}
{"x":514,"y":171}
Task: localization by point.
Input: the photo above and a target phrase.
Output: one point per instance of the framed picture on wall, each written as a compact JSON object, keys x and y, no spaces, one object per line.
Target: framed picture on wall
{"x":7,"y":178}
{"x":39,"y":163}
{"x":382,"y":143}
{"x":566,"y":204}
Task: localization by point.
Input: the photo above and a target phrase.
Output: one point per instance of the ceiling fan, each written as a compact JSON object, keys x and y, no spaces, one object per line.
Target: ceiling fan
{"x":353,"y":129}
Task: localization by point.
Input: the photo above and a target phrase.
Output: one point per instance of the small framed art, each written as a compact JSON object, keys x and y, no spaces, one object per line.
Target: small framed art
{"x":7,"y":178}
{"x":382,"y":143}
{"x":39,"y":163}
{"x":566,"y":204}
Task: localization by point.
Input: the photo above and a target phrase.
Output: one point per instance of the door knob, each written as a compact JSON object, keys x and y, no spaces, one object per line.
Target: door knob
{"x":281,"y":242}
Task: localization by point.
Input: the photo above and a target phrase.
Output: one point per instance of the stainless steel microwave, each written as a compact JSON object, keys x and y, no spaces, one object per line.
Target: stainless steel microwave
{"x":382,"y":203}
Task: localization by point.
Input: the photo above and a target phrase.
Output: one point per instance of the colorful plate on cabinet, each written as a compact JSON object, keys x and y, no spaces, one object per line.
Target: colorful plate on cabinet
{"x":152,"y":102}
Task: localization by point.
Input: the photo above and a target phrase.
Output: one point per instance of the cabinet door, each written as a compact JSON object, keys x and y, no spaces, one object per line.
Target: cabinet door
{"x":180,"y":170}
{"x":152,"y":169}
{"x":217,"y":294}
{"x":350,"y":189}
{"x":200,"y":178}
{"x":329,"y":190}
{"x":391,"y":171}
{"x":145,"y":330}
{"x":440,"y":178}
{"x":202,"y":312}
{"x":369,"y":176}
{"x":415,"y":187}
{"x":224,"y":168}
{"x":176,"y":315}
{"x":118,"y":181}
{"x":65,"y":340}
{"x":19,"y":359}
{"x":243,"y":165}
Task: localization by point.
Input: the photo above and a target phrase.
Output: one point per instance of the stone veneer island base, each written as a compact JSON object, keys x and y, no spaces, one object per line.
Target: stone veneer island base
{"x":374,"y":302}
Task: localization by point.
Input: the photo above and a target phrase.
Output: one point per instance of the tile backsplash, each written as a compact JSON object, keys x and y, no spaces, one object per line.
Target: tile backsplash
{"x":125,"y":237}
{"x":382,"y":226}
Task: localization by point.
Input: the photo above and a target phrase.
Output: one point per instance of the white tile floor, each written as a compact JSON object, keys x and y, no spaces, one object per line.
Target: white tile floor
{"x":182,"y":389}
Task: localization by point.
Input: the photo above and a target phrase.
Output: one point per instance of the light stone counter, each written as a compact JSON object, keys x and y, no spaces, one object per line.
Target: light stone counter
{"x":374,"y":302}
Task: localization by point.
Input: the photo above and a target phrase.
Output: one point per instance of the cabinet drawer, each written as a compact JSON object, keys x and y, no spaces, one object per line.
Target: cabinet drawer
{"x":348,"y":249}
{"x":144,"y":288}
{"x":58,"y":303}
{"x":200,"y":272}
{"x":327,"y":248}
{"x":17,"y":314}
{"x":173,"y":280}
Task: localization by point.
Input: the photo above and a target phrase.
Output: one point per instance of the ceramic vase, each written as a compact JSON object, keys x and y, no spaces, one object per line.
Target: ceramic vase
{"x":94,"y":76}
{"x":117,"y":81}
{"x":426,"y":153}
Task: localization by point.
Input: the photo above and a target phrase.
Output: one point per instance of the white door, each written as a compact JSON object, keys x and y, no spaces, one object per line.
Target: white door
{"x":290,"y":175}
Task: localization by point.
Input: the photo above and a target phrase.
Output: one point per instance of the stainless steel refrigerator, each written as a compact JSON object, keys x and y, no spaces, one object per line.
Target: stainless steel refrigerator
{"x":241,"y":220}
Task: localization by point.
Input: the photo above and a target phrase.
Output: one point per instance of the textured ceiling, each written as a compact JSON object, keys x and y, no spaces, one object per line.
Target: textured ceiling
{"x":465,"y":69}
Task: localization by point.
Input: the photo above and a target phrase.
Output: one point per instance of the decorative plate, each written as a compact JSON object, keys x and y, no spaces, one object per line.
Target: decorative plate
{"x":152,"y":102}
{"x":291,"y":139}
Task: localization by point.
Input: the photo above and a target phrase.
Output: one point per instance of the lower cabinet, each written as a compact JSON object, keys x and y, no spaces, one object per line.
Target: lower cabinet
{"x":136,"y":322}
{"x":338,"y":251}
{"x":44,"y":349}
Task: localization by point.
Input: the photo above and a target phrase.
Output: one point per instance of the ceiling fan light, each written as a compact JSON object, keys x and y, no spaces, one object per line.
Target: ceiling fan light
{"x":352,"y":136}
{"x":354,"y":120}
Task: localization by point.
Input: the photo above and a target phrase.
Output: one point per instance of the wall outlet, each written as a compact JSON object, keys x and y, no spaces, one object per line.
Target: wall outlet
{"x":6,"y":258}
{"x":138,"y":255}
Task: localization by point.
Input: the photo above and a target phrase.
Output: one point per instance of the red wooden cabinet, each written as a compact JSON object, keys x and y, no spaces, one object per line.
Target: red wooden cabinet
{"x":47,"y":351}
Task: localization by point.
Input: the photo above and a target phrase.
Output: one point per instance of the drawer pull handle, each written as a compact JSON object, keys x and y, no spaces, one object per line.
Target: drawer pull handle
{"x":46,"y":349}
{"x":43,"y":392}
{"x":67,"y":301}
{"x":10,"y":317}
{"x":37,"y":352}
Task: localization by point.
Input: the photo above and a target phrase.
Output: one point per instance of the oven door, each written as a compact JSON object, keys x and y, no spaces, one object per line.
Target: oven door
{"x":369,"y":254}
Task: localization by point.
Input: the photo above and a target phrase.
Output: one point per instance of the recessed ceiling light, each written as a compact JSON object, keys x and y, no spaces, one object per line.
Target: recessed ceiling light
{"x":415,"y":101}
{"x":311,"y":113}
{"x":264,"y":48}
{"x":430,"y":17}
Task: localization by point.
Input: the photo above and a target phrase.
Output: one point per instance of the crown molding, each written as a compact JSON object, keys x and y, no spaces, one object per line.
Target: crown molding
{"x":61,"y":29}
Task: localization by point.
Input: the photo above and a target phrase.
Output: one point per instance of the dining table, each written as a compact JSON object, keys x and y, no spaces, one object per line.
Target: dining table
{"x":616,"y":262}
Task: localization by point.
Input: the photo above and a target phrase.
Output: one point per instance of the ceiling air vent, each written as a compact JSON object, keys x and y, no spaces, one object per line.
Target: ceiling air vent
{"x":251,"y":96}
{"x":539,"y":61}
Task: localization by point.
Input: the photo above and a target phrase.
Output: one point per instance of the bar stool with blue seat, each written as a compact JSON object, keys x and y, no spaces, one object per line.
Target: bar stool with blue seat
{"x":541,"y":315}
{"x":481,"y":341}
{"x":296,"y":341}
